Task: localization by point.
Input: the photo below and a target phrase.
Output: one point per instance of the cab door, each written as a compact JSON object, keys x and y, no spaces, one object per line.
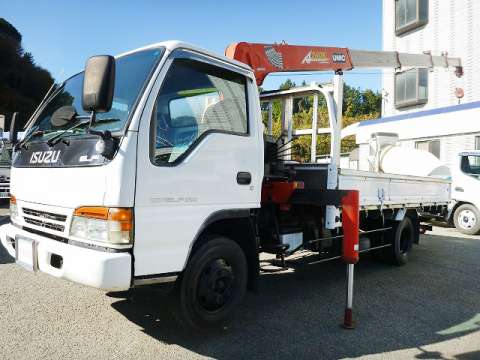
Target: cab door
{"x":199,"y":152}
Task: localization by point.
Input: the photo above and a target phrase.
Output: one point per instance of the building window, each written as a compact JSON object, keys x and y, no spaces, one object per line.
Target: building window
{"x":410,"y":14}
{"x":477,"y":142}
{"x":432,"y":146}
{"x":411,"y":87}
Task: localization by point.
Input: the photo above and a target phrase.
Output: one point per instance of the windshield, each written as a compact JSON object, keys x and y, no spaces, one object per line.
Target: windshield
{"x":471,"y":165}
{"x":130,"y":75}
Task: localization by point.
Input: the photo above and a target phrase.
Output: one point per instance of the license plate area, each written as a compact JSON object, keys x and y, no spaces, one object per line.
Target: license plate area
{"x":26,"y":253}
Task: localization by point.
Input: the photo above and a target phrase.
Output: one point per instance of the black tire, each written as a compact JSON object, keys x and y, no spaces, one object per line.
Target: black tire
{"x":401,"y":236}
{"x":467,"y":219}
{"x":213,"y":284}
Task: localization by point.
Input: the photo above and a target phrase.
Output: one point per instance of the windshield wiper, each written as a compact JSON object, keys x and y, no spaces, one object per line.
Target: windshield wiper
{"x":57,"y":138}
{"x":23,"y":143}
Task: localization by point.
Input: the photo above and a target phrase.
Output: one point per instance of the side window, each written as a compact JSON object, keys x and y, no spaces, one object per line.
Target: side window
{"x":432,"y":146}
{"x":195,"y":99}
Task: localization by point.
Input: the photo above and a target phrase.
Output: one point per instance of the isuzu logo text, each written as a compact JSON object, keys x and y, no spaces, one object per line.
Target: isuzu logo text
{"x":45,"y":157}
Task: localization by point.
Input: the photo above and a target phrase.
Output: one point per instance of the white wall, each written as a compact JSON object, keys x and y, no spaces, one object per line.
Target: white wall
{"x":453,"y":26}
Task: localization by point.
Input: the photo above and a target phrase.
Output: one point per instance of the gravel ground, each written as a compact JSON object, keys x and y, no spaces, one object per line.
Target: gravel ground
{"x":429,"y":309}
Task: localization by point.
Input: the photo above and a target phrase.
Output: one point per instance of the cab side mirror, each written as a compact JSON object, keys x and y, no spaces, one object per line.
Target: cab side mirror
{"x":98,"y":83}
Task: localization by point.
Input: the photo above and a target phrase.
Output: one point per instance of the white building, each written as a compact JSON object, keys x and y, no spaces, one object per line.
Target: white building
{"x":438,"y":26}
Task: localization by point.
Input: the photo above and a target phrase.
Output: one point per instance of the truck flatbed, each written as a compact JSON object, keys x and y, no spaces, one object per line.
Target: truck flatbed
{"x":394,"y":190}
{"x":379,"y":190}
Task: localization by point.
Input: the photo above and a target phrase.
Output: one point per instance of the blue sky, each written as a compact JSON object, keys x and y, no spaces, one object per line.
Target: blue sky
{"x":61,"y":35}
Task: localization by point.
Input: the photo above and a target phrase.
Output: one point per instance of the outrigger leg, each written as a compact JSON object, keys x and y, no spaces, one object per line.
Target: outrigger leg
{"x":350,"y":224}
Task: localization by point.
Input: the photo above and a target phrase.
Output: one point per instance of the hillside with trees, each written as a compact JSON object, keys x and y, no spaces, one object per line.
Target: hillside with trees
{"x":358,"y":105}
{"x":23,"y":84}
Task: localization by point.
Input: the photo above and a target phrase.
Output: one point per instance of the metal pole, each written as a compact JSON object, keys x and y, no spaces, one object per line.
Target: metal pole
{"x":289,"y":125}
{"x":348,"y":322}
{"x":270,"y":118}
{"x":336,"y":139}
{"x":313,"y":155}
{"x":29,"y":122}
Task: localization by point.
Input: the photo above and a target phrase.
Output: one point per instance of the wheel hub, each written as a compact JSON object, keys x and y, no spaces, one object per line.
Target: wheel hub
{"x":215,"y":285}
{"x":467,"y":219}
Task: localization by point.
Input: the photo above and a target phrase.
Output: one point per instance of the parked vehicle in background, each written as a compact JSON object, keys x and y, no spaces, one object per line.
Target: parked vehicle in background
{"x":5,"y":165}
{"x":452,"y":135}
{"x":465,"y":211}
{"x":7,"y":141}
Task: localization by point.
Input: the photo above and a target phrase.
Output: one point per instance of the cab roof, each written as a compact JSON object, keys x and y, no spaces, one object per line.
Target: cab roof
{"x":171,"y":45}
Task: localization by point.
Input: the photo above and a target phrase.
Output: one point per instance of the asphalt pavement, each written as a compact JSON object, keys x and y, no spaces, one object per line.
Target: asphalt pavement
{"x":429,"y":309}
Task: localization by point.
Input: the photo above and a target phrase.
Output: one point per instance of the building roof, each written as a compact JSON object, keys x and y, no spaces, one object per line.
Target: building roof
{"x":445,"y":121}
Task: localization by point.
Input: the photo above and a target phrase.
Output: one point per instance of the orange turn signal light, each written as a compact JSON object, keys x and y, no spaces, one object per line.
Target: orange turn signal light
{"x":13,"y":199}
{"x":92,"y":212}
{"x":122,"y":215}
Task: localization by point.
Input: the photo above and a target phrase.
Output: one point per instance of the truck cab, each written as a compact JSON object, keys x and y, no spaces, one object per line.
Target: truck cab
{"x":465,"y":213}
{"x":179,"y":150}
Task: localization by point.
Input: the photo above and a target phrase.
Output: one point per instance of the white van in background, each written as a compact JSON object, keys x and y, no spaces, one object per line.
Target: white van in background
{"x":452,"y":135}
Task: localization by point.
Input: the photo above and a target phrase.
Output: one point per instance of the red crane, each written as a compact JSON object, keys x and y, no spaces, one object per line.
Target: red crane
{"x":269,"y":58}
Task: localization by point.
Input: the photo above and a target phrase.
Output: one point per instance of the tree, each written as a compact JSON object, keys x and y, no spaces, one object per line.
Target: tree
{"x":288,"y":84}
{"x":22,"y":83}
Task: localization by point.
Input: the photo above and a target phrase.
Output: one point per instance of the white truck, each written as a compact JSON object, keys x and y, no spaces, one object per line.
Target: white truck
{"x":152,"y":168}
{"x":464,"y":211}
{"x":452,"y":135}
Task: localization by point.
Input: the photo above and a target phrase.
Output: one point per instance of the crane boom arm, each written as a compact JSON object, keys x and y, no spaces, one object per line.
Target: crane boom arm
{"x":268,"y":58}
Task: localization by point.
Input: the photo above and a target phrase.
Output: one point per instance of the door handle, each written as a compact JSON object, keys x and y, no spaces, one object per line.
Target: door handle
{"x":459,"y":189}
{"x":244,"y":178}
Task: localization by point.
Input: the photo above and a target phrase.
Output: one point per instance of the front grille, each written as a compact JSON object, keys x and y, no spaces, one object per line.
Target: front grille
{"x":44,"y":215}
{"x":44,"y":224}
{"x":41,"y":219}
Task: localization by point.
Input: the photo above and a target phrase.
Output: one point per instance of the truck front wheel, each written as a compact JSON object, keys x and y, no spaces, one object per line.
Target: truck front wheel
{"x":213,"y":284}
{"x":467,"y":219}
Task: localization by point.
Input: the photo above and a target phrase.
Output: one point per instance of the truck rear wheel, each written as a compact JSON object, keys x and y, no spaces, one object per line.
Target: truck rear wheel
{"x":213,"y":284}
{"x":467,"y":219}
{"x":401,"y":236}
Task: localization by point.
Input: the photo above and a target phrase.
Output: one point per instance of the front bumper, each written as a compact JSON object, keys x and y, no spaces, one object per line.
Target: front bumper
{"x":111,"y":271}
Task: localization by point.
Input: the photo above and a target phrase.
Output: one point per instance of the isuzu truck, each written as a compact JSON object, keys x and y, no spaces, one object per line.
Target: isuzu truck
{"x":153,"y":167}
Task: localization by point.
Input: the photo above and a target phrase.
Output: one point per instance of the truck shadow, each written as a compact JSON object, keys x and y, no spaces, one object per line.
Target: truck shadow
{"x":298,"y":313}
{"x":5,"y":258}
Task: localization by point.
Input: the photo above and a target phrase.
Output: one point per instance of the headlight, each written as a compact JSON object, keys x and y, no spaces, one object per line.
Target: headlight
{"x":105,"y":225}
{"x":13,"y":209}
